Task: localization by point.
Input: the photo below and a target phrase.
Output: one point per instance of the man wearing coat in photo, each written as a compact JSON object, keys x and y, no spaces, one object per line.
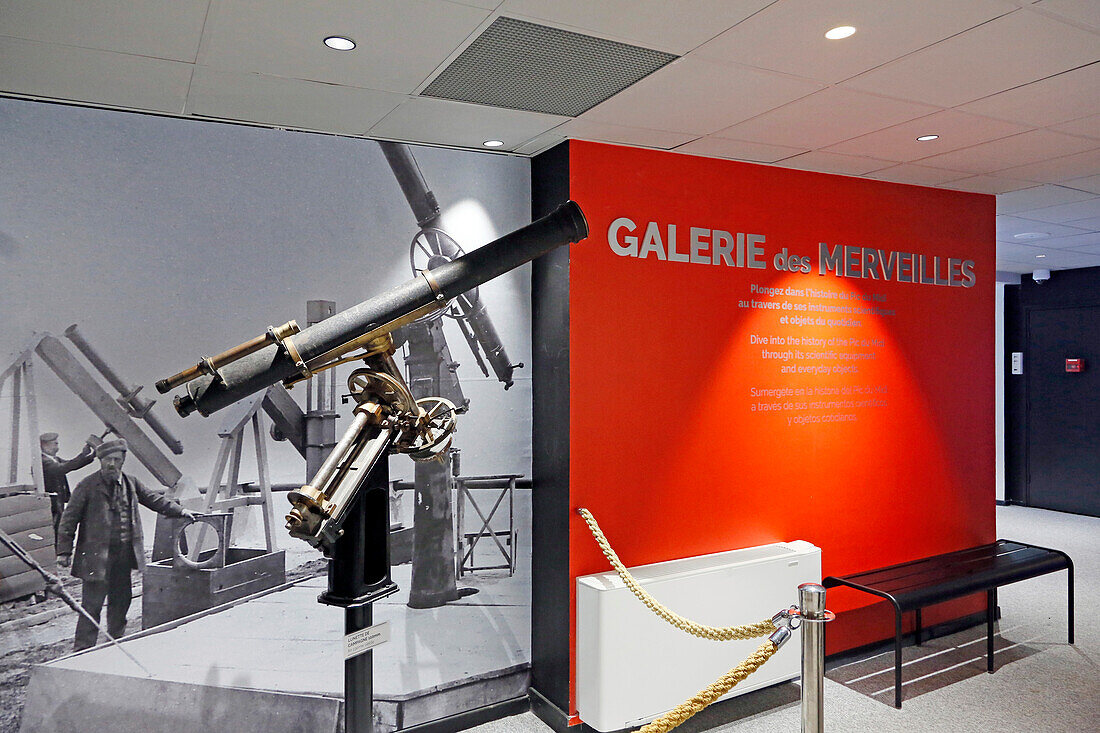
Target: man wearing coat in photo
{"x":53,"y":474}
{"x":104,"y":506}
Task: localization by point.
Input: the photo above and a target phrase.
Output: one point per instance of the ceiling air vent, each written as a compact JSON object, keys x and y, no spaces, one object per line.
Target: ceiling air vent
{"x":521,"y":65}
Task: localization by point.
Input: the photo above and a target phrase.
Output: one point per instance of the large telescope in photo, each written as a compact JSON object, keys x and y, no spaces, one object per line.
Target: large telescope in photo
{"x":288,"y":354}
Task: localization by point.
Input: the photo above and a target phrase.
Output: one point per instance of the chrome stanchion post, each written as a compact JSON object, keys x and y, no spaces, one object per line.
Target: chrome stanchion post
{"x":811,"y":605}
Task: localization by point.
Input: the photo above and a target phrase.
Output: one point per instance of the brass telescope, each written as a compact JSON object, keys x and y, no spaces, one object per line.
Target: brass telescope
{"x":289,"y":355}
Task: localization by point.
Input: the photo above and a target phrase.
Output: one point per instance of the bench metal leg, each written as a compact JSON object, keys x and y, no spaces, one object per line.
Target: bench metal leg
{"x":897,"y":657}
{"x":990,"y":613}
{"x":918,"y":627}
{"x":1070,"y":569}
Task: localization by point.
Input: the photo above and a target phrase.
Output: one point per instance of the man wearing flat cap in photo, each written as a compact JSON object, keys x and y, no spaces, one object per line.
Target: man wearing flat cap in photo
{"x":53,"y":474}
{"x":105,"y":508}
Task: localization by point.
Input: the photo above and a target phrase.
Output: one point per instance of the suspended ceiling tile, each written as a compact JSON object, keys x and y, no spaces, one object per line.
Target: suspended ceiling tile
{"x":1066,"y":96}
{"x":399,"y":42}
{"x":847,"y":165}
{"x":790,"y":36}
{"x":106,"y":78}
{"x":676,"y":27}
{"x":720,"y":147}
{"x":986,"y":184}
{"x":1061,"y":259}
{"x":1081,"y":11}
{"x":696,"y":96}
{"x":540,"y":143}
{"x":1092,"y":223}
{"x":1009,"y":266}
{"x":1038,"y":197}
{"x":422,"y":119}
{"x":824,"y":118}
{"x":1086,"y":126}
{"x":1009,"y":226}
{"x":486,"y":4}
{"x":1073,"y":241}
{"x":1007,"y":152}
{"x":1088,"y":183}
{"x":1078,"y":213}
{"x":167,"y":29}
{"x":1090,"y":249}
{"x":1014,"y":49}
{"x":1058,"y":170}
{"x":589,"y":130}
{"x":1020,"y":252}
{"x":920,"y":175}
{"x":306,"y":105}
{"x":955,"y":129}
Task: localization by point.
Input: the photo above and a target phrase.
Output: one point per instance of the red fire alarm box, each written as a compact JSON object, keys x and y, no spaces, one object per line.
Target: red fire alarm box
{"x":1075,"y":365}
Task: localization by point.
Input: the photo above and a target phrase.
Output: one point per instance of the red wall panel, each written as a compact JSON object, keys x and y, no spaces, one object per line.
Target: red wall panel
{"x":669,"y":446}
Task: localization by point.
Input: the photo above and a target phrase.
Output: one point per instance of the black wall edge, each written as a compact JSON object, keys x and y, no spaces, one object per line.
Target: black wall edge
{"x":550,"y":652}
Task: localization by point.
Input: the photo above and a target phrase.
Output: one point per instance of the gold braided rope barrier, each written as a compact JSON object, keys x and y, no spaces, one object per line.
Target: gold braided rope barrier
{"x":717,"y":633}
{"x":723,"y":684}
{"x":711,"y":692}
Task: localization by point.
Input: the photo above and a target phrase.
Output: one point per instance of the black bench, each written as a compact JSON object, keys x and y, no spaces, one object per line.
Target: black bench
{"x":913,"y":585}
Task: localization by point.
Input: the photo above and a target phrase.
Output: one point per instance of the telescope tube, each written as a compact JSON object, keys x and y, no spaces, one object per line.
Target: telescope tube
{"x":384,"y":312}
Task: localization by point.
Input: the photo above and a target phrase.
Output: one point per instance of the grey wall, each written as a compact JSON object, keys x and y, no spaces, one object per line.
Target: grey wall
{"x":167,"y":240}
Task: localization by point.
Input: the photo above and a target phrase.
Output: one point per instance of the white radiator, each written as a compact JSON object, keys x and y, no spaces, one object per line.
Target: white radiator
{"x":632,"y":667}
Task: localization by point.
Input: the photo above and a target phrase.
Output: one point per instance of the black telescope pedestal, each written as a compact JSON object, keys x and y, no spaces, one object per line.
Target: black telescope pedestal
{"x":359,"y":575}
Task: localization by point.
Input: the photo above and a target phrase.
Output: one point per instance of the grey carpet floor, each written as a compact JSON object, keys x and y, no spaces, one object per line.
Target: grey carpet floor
{"x":1042,"y":684}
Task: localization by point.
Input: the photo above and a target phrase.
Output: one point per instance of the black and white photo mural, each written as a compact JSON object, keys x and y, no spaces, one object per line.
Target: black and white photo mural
{"x":133,"y":246}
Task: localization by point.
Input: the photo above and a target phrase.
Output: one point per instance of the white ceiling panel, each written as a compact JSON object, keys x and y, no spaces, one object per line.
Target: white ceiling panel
{"x":487,"y":4}
{"x":674,"y":27}
{"x":589,"y":130}
{"x":1093,"y":223}
{"x":86,"y":75}
{"x":1009,"y":226}
{"x":1073,"y":241}
{"x":1068,"y":213}
{"x":955,"y":129}
{"x":824,"y":118}
{"x":294,"y":103}
{"x":1021,"y":253}
{"x":1014,"y":49}
{"x":1038,"y":197}
{"x":987,"y":184}
{"x":423,"y":119}
{"x":919,"y":175}
{"x":1081,"y":11}
{"x":400,"y":42}
{"x":167,"y":29}
{"x":1093,"y":249}
{"x":1061,"y":259}
{"x":1088,"y":183}
{"x":696,"y":96}
{"x":720,"y":147}
{"x":540,"y":143}
{"x":1058,"y":98}
{"x":886,"y":29}
{"x":1087,"y":126}
{"x":1016,"y":267}
{"x":847,"y":165}
{"x":1008,"y":152}
{"x":1058,"y":170}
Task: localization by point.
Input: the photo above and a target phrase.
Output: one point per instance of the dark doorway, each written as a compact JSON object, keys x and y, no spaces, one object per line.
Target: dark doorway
{"x":1063,"y":410}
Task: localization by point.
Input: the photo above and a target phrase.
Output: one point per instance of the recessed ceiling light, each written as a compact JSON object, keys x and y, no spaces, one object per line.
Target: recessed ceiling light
{"x":339,"y":43}
{"x":926,"y":138}
{"x":1030,"y":235}
{"x":493,"y":143}
{"x":1040,"y":256}
{"x":841,"y":31}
